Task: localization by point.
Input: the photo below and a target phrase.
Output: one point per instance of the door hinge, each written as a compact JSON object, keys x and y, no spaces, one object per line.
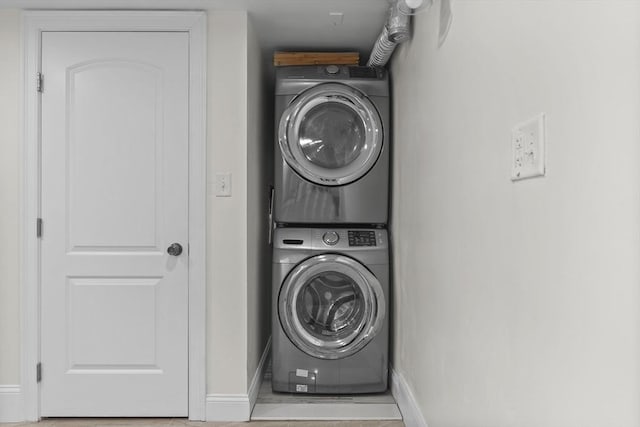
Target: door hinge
{"x":39,"y":228}
{"x":39,"y":372}
{"x":39,"y":86}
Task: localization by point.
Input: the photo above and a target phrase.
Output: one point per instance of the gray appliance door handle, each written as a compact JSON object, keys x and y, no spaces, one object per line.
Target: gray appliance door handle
{"x":271,"y":225}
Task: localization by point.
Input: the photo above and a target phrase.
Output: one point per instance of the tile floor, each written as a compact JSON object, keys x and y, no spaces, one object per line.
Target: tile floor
{"x":178,"y":422}
{"x":277,"y":406}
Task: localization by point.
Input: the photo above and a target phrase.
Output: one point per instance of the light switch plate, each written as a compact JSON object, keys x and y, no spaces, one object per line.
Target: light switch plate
{"x":336,"y":18}
{"x":223,"y":185}
{"x":528,"y":149}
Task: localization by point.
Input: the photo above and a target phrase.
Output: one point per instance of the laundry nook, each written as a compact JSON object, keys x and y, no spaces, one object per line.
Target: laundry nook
{"x":310,"y":213}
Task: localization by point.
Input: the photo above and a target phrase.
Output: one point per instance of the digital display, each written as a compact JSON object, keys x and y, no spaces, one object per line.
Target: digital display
{"x":362,"y":72}
{"x":362,"y":238}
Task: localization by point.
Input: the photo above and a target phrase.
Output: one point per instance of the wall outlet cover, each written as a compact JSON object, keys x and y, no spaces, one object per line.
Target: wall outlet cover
{"x":528,"y":148}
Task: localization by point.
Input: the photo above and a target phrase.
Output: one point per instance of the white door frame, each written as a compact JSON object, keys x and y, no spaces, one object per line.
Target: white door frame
{"x":35,"y":22}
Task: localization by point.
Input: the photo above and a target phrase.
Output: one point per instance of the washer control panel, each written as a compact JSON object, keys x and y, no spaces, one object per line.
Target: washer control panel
{"x":362,"y":238}
{"x":349,"y":238}
{"x":331,"y":239}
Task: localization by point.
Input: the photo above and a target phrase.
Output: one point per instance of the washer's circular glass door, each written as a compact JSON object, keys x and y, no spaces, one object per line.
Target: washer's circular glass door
{"x":331,"y":306}
{"x":331,"y":134}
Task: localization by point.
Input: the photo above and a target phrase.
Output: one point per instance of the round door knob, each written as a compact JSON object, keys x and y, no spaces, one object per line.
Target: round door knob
{"x":330,"y":238}
{"x":175,"y":249}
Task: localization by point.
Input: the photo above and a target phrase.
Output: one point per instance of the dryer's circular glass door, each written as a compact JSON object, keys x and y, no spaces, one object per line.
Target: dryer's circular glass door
{"x":331,"y":306}
{"x":331,"y":134}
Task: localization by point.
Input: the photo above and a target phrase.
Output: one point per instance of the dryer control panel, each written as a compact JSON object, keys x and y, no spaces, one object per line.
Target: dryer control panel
{"x":349,"y":239}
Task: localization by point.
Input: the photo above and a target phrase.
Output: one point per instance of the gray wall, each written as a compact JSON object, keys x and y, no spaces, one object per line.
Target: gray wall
{"x":518,"y":304}
{"x":10,"y":184}
{"x":259,"y":177}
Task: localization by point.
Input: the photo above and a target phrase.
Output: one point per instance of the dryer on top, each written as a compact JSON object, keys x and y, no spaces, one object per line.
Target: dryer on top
{"x":332,"y":145}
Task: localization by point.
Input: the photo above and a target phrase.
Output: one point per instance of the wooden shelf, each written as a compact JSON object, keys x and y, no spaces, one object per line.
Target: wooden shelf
{"x":315,"y":58}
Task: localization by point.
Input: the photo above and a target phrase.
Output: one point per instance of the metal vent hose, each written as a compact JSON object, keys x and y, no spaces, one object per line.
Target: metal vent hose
{"x":396,"y":30}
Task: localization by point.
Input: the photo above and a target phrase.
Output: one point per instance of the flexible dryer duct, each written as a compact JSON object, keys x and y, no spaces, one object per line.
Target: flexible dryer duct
{"x":396,"y":30}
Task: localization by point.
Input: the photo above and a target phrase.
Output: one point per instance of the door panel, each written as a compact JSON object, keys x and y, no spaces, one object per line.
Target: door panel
{"x":114,"y":197}
{"x":117,"y":344}
{"x":130,"y":95}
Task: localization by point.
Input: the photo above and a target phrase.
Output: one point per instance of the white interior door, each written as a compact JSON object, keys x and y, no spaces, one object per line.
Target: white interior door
{"x":114,"y":303}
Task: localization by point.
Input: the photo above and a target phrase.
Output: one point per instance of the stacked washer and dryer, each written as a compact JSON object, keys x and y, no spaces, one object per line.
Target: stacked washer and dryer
{"x":330,"y":322}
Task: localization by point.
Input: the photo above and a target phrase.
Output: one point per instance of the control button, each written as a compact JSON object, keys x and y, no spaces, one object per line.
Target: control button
{"x":330,"y":238}
{"x":332,"y":69}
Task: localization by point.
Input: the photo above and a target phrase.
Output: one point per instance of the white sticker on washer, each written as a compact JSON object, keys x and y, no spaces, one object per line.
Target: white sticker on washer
{"x":301,"y":388}
{"x":302,"y":373}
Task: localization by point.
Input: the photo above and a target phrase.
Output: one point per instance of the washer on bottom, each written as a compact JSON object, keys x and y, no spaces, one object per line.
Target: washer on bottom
{"x":330,"y":328}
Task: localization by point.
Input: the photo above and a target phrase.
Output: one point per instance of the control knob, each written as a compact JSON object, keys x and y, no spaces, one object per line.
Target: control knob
{"x":332,"y":69}
{"x":330,"y":238}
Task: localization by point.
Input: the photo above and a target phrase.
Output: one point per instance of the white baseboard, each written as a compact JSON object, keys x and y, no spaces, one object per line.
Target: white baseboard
{"x":11,"y":404}
{"x":237,"y":407}
{"x":411,"y":414}
{"x":228,"y":407}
